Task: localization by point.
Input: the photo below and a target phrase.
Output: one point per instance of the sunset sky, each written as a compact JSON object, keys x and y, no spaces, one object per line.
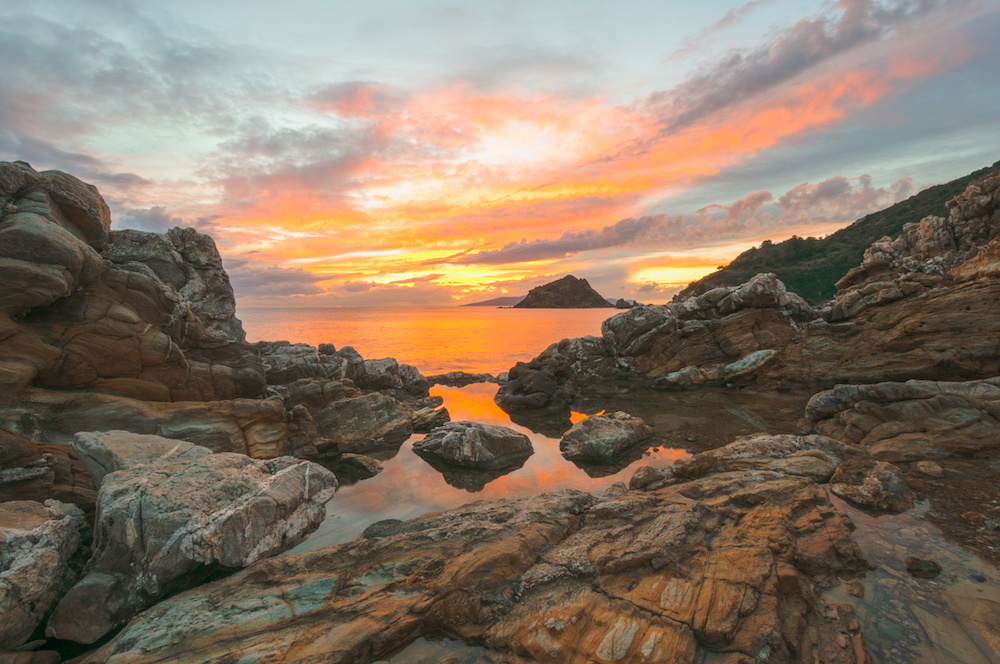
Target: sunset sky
{"x":430,"y":153}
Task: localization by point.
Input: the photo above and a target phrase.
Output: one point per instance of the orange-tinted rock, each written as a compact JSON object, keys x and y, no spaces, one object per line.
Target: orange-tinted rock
{"x":35,"y":471}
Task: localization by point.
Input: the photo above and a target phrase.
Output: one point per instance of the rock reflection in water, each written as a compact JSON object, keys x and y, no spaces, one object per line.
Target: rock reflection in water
{"x":409,"y":487}
{"x":952,"y":618}
{"x":468,"y":479}
{"x":439,"y":651}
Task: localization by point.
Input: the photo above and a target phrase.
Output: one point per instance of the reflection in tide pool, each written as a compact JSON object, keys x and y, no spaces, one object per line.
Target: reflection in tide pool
{"x":409,"y":486}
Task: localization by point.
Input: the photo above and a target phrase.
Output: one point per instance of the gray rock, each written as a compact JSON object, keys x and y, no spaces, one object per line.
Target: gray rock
{"x":477,"y":446}
{"x":363,"y":424}
{"x":604,"y":437}
{"x":162,"y":524}
{"x":44,"y":547}
{"x":872,"y":484}
{"x":109,"y":451}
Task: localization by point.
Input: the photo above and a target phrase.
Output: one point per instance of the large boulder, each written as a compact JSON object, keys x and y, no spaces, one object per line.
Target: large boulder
{"x":604,"y":437}
{"x":162,"y":526}
{"x":566,"y":293}
{"x":44,"y":548}
{"x":363,"y":424}
{"x":476,"y":446}
{"x":731,"y":563}
{"x":105,"y":452}
{"x":35,"y":471}
{"x":255,"y":427}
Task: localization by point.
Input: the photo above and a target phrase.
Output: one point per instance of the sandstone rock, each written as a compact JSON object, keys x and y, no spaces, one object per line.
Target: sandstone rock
{"x":44,"y":548}
{"x":38,"y":472}
{"x":161,"y":525}
{"x":872,"y":484}
{"x":477,"y":446}
{"x":729,"y":563}
{"x":566,"y":293}
{"x":249,"y":426}
{"x":106,"y":452}
{"x":52,"y":227}
{"x":604,"y":437}
{"x":930,"y":469}
{"x":918,"y":420}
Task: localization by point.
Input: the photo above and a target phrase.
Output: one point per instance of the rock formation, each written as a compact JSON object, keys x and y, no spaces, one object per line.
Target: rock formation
{"x":476,"y":446}
{"x":34,"y":471}
{"x":174,"y":512}
{"x":566,"y":293}
{"x":920,"y":306}
{"x":627,"y":576}
{"x":120,"y":312}
{"x":872,"y":484}
{"x":604,"y":437}
{"x":44,"y":547}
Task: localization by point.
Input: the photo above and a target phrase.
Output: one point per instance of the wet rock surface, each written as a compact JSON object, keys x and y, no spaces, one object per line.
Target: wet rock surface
{"x":729,"y":561}
{"x":162,"y":525}
{"x":872,"y":484}
{"x":43,"y":549}
{"x":604,"y":437}
{"x":475,"y":446}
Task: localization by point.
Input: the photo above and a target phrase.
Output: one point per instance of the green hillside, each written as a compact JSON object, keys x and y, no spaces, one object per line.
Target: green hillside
{"x":811,"y":266}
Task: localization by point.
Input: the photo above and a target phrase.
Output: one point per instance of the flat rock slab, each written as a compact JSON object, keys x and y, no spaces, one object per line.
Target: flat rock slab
{"x":476,"y":446}
{"x":604,"y":437}
{"x":161,"y":525}
{"x":104,"y":452}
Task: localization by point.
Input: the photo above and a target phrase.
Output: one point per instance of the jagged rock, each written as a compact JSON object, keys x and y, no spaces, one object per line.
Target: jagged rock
{"x":162,"y":525}
{"x":39,"y":472}
{"x":604,"y":437}
{"x":918,"y":307}
{"x":734,"y":562}
{"x":44,"y":548}
{"x":52,"y":227}
{"x":476,"y":446}
{"x":872,"y":484}
{"x":566,"y":293}
{"x":461,"y":378}
{"x":156,"y":321}
{"x":917,"y":420}
{"x":104,"y":452}
{"x":356,"y":467}
{"x":255,"y":427}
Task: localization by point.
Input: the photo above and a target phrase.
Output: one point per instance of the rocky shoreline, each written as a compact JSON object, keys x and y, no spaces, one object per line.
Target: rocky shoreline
{"x":153,"y":462}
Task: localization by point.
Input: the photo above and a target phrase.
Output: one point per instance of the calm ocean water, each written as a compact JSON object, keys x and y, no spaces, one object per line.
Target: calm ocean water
{"x":435,"y":340}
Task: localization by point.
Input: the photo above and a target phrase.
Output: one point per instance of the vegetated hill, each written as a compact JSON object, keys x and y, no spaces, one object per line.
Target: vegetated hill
{"x":811,"y":266}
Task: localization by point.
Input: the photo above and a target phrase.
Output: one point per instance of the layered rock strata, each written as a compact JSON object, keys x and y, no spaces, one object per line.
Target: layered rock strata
{"x":169,"y":513}
{"x":34,"y":471}
{"x":729,"y":561}
{"x":921,"y":306}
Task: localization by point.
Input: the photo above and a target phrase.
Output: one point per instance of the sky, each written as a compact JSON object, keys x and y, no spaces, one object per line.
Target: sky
{"x":417,"y":152}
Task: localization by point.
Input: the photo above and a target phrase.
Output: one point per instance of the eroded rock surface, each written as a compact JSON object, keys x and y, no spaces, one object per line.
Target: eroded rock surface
{"x":923,"y":306}
{"x":42,"y":550}
{"x":872,"y":484}
{"x":106,"y":452}
{"x":476,"y":446}
{"x":726,"y":562}
{"x":162,"y":526}
{"x":255,"y":427}
{"x":34,"y":471}
{"x":604,"y":437}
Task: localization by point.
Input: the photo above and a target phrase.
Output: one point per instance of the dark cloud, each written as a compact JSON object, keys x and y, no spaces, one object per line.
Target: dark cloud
{"x":837,"y":198}
{"x":740,"y":75}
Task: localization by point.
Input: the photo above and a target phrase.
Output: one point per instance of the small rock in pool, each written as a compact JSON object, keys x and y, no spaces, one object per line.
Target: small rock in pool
{"x":922,"y":569}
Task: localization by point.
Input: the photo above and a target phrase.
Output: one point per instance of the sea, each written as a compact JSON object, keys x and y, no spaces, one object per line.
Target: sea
{"x":437,"y":340}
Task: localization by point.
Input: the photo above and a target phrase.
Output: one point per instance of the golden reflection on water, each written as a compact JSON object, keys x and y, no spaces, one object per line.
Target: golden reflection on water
{"x":433,"y":339}
{"x":409,"y":486}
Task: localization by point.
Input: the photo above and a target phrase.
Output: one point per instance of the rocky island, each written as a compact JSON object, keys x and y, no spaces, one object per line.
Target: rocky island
{"x":566,"y":293}
{"x":153,"y":462}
